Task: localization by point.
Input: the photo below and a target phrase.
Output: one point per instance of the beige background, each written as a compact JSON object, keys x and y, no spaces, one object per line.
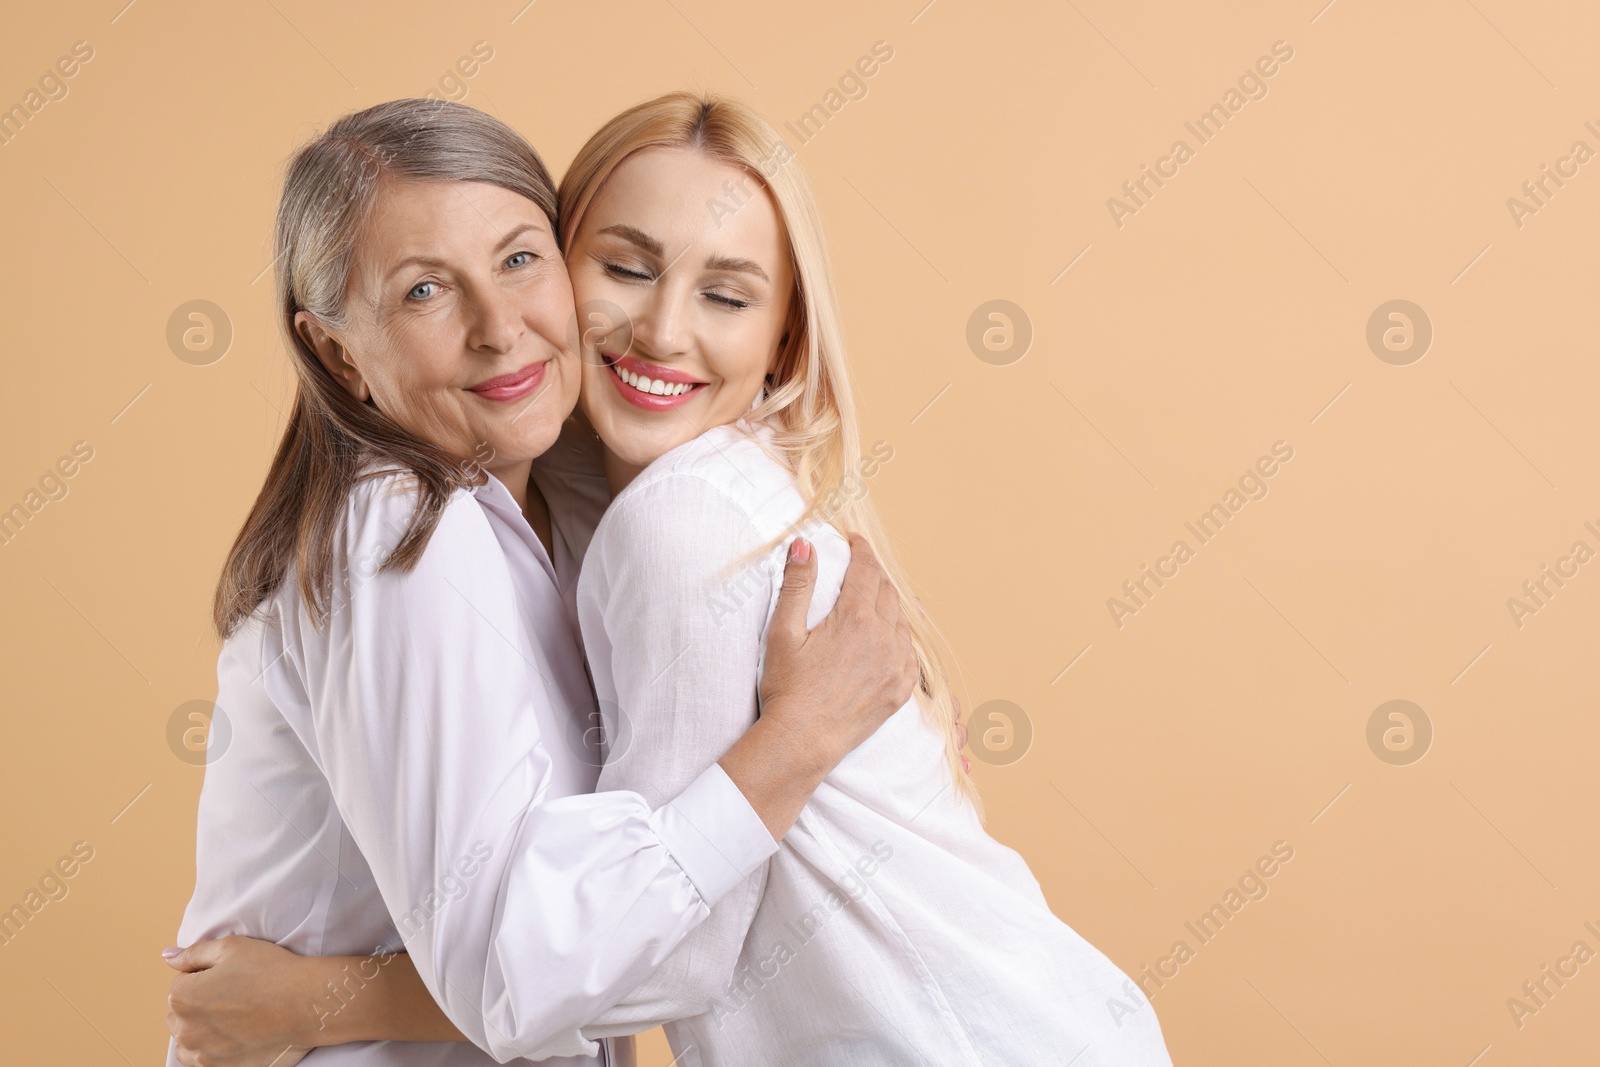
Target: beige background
{"x":1228,"y":313}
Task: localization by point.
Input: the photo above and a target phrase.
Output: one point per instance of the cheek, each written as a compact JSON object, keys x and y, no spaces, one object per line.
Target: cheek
{"x":586,"y":285}
{"x":748,"y":355}
{"x":407,"y":375}
{"x":432,"y":412}
{"x":592,"y":395}
{"x":593,"y":377}
{"x":412,"y":385}
{"x":570,"y":383}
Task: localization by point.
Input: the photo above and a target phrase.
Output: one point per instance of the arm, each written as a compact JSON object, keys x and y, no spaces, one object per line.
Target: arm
{"x":675,"y":661}
{"x":826,"y":691}
{"x":524,"y":915}
{"x":242,"y":1002}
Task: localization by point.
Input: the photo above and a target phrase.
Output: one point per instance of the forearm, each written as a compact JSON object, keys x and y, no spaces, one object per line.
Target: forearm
{"x":526,"y":914}
{"x":383,"y":998}
{"x":777,"y":770}
{"x":373,"y":998}
{"x":369,"y":998}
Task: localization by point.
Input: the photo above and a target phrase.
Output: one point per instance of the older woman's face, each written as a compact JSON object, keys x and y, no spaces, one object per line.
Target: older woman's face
{"x":459,"y":316}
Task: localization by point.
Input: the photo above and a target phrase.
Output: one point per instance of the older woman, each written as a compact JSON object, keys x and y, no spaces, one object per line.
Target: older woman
{"x":411,"y":767}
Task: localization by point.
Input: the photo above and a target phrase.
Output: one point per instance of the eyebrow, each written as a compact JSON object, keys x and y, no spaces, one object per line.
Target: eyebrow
{"x":432,"y":261}
{"x":743,"y":266}
{"x":635,"y":236}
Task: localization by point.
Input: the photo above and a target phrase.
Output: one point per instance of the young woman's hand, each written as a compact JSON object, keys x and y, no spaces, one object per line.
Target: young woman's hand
{"x":239,"y":1003}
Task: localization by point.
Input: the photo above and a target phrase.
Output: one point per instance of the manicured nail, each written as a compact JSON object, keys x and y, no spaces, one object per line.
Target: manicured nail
{"x":168,"y":953}
{"x":800,"y":550}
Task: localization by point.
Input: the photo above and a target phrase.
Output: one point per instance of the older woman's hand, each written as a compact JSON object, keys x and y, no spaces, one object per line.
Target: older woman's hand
{"x":823,"y":691}
{"x":840,"y":681}
{"x":236,"y":1004}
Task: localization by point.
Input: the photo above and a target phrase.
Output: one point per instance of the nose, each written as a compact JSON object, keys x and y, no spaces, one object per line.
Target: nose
{"x":496,"y":321}
{"x":658,"y":319}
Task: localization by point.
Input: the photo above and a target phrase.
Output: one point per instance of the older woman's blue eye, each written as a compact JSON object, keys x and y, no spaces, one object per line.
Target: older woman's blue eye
{"x":415,"y":289}
{"x":519,"y":259}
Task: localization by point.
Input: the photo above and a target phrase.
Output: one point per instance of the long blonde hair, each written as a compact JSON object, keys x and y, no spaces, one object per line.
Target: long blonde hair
{"x":809,"y":402}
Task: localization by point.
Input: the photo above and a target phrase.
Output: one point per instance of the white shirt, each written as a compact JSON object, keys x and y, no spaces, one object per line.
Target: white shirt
{"x":889,"y":928}
{"x":418,"y":771}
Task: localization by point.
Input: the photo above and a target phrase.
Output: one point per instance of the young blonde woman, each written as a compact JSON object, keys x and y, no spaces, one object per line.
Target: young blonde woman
{"x":888,"y":928}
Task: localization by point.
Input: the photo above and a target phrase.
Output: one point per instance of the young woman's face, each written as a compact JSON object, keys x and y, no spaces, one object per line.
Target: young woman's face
{"x":706,"y":291}
{"x":460,"y":321}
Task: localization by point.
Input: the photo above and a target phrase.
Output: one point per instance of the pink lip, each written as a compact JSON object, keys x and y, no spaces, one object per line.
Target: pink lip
{"x":651,"y":370}
{"x":513,"y":386}
{"x":649,"y":401}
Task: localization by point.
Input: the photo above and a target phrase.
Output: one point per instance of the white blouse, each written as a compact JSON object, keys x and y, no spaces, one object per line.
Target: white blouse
{"x":418,"y":772}
{"x":888,"y":928}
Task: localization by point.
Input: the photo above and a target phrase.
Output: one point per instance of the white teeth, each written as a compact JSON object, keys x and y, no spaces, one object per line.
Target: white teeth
{"x":652,"y":386}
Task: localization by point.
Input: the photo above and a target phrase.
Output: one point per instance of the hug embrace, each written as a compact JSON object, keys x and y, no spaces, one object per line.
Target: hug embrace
{"x":511,"y":778}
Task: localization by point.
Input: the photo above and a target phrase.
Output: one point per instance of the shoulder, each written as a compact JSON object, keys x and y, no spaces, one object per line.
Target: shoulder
{"x":696,"y":511}
{"x":725,"y":470}
{"x":375,"y":517}
{"x":385,"y":499}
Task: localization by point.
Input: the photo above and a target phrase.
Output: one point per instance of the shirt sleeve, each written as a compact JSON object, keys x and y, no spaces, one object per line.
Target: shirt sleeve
{"x":684,"y":607}
{"x":526,"y":915}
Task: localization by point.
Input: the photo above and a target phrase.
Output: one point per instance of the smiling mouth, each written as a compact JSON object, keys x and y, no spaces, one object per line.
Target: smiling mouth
{"x":649,"y":387}
{"x":513,"y":386}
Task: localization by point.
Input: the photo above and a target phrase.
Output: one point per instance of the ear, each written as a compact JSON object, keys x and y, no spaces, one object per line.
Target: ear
{"x":335,"y":358}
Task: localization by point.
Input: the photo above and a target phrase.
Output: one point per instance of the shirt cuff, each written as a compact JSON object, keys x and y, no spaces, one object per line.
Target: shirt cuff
{"x":714,"y":834}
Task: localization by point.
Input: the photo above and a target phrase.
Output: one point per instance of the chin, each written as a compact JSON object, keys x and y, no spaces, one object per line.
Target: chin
{"x":643,"y":452}
{"x":529,"y":437}
{"x":633,"y":445}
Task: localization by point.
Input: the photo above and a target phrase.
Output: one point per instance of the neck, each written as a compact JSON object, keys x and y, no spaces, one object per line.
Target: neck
{"x":515,"y":478}
{"x":619,"y":472}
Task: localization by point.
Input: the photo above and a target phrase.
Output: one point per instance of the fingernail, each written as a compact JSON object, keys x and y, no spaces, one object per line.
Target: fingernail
{"x":800,"y":550}
{"x":168,"y":953}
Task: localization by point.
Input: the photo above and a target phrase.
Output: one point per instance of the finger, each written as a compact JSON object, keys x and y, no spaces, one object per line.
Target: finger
{"x":861,"y":548}
{"x":197,"y":957}
{"x":186,"y":1056}
{"x":888,"y":605}
{"x":864,"y":575}
{"x":794,"y":599}
{"x":178,"y":994}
